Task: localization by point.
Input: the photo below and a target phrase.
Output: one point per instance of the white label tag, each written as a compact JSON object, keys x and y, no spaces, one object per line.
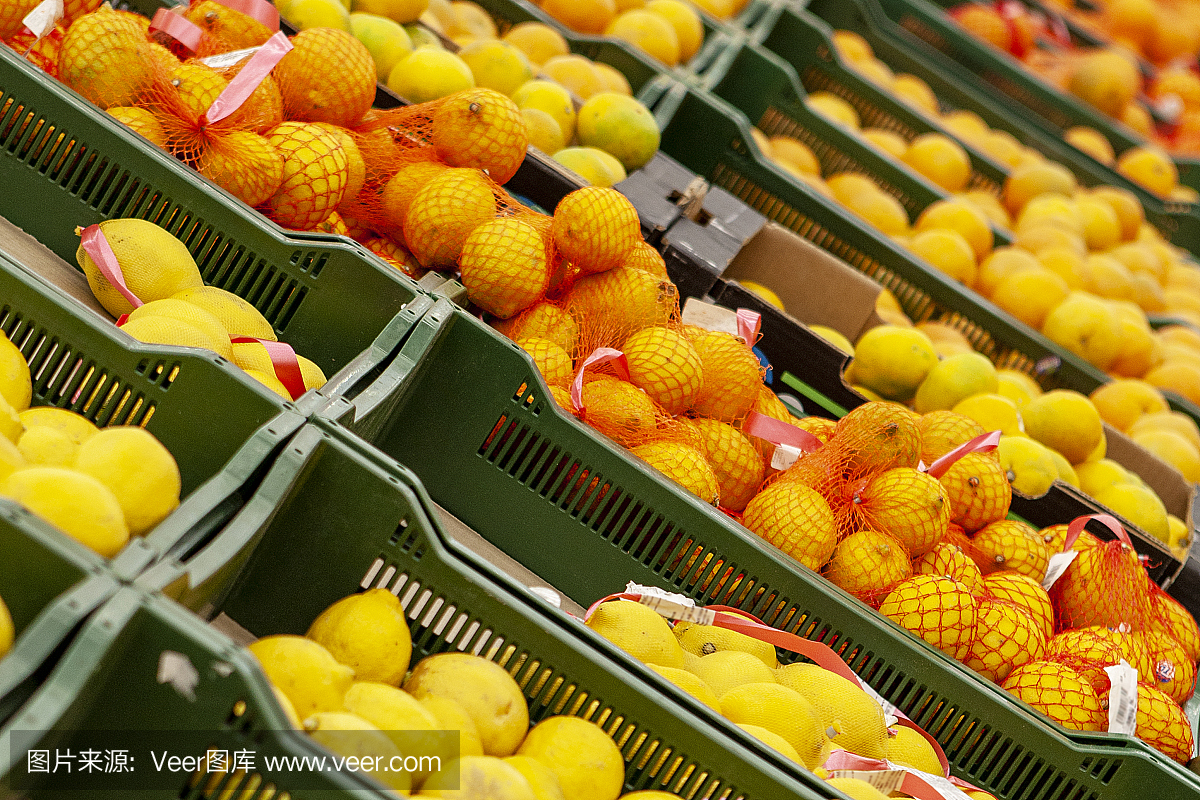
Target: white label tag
{"x":549,"y":595}
{"x":889,"y":710}
{"x":678,"y":611}
{"x":885,"y":780}
{"x":784,"y":456}
{"x":1122,"y":698}
{"x":939,"y":783}
{"x":223,"y":60}
{"x":709,"y":316}
{"x":654,"y":591}
{"x":1058,"y":565}
{"x":43,"y":17}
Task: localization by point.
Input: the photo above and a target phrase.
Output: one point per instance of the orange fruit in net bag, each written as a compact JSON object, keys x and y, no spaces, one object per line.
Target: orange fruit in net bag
{"x":1013,"y":587}
{"x":396,"y":255}
{"x":402,"y":187}
{"x":1088,"y":651}
{"x":1165,"y":665}
{"x":950,"y":561}
{"x":868,"y":564}
{"x":1168,"y":616}
{"x":937,"y":609}
{"x":480,"y":128}
{"x":315,"y":174}
{"x":1162,"y":724}
{"x":734,"y":460}
{"x":328,"y":76}
{"x":1057,"y":691}
{"x":141,"y":121}
{"x":683,"y":464}
{"x":244,"y":164}
{"x":12,"y":16}
{"x":910,"y":505}
{"x":106,"y":58}
{"x":1055,"y":539}
{"x":551,"y":360}
{"x":794,"y":518}
{"x":596,"y":228}
{"x":731,"y":378}
{"x":227,"y":28}
{"x":645,"y":257}
{"x":979,"y":491}
{"x":877,"y":436}
{"x":333,"y":224}
{"x":503,"y":266}
{"x":263,"y":109}
{"x":192,"y":87}
{"x":1104,"y":585}
{"x":663,"y":364}
{"x":355,"y":165}
{"x":444,"y":212}
{"x":543,"y":320}
{"x":613,"y":305}
{"x":618,"y":409}
{"x":1011,"y":544}
{"x":942,"y":431}
{"x":1006,"y":637}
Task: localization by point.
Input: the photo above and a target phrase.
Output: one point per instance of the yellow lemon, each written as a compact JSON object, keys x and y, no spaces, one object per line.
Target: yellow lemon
{"x":893,"y":361}
{"x":367,"y":632}
{"x":854,"y":717}
{"x":307,"y":674}
{"x":1030,"y":467}
{"x":350,"y":735}
{"x":1139,"y":505}
{"x":140,"y":471}
{"x":77,"y":504}
{"x":427,"y":74}
{"x":726,"y":669}
{"x":994,"y":412}
{"x":619,"y":125}
{"x":15,"y":384}
{"x":783,"y":711}
{"x":953,"y":380}
{"x":639,"y":631}
{"x":583,"y":757}
{"x":484,"y":689}
{"x":1065,"y":421}
{"x":541,"y":778}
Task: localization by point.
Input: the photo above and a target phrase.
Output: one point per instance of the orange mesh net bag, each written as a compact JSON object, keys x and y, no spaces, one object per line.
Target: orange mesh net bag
{"x":1104,"y":584}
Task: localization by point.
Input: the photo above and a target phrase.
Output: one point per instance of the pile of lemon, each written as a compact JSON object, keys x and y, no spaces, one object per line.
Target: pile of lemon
{"x":801,"y":710}
{"x":348,"y":683}
{"x":97,"y":486}
{"x":178,"y":309}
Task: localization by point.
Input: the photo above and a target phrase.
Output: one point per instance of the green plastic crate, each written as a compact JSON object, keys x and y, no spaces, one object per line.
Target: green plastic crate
{"x":803,"y":40}
{"x":336,"y":516}
{"x":50,"y":583}
{"x":875,"y":107}
{"x":65,"y":163}
{"x":476,"y":424}
{"x":106,"y":682}
{"x":762,"y":86}
{"x":221,"y":425}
